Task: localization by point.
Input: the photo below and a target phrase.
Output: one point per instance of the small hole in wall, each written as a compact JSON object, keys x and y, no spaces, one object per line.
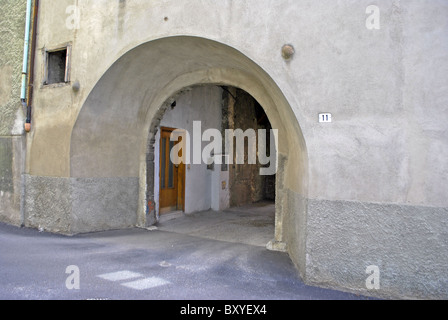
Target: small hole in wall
{"x":56,"y":66}
{"x":166,"y":19}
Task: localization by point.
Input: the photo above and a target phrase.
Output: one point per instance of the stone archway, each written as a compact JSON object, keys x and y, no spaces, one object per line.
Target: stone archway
{"x":109,"y":144}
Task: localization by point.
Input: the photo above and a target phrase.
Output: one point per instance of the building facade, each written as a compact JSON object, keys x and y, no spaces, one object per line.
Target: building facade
{"x":366,"y":189}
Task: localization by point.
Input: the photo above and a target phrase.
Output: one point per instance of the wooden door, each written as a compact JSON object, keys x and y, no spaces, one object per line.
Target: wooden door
{"x":172,"y":177}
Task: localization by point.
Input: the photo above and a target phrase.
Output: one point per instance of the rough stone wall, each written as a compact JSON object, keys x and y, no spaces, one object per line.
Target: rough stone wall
{"x":246,"y":184}
{"x":269,"y":188}
{"x":12,"y":26}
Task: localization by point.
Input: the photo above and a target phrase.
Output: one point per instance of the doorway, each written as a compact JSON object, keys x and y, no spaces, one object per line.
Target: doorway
{"x":172,"y":176}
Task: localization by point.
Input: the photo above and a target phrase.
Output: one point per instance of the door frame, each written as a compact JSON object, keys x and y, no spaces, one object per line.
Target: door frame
{"x":181,"y":176}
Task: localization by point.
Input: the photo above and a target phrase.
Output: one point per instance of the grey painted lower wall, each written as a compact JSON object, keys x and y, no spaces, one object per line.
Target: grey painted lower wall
{"x":75,"y":205}
{"x":295,"y":229}
{"x":6,"y":176}
{"x":47,"y":204}
{"x":104,"y":204}
{"x":11,"y":165}
{"x":408,"y":243}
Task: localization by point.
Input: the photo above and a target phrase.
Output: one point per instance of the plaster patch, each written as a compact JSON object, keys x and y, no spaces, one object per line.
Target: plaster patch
{"x":18,"y":123}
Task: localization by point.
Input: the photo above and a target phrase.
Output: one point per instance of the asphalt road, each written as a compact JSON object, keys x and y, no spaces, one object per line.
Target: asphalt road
{"x":139,"y":264}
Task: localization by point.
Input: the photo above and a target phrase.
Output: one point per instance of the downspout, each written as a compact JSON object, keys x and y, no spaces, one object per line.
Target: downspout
{"x":32,"y":58}
{"x":27,"y":82}
{"x":26,"y":51}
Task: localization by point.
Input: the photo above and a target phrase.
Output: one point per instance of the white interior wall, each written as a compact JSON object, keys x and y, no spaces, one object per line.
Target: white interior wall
{"x":200,"y":104}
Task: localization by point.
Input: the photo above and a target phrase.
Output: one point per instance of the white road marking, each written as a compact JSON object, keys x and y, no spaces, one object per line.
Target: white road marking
{"x":120,"y":276}
{"x":147,"y":283}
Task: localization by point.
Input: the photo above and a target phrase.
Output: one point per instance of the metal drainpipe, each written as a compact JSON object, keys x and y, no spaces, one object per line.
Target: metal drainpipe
{"x":32,"y":58}
{"x":26,"y":50}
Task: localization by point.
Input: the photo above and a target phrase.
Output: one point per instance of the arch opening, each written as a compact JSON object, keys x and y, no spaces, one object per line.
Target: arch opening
{"x":110,"y":148}
{"x":233,"y":172}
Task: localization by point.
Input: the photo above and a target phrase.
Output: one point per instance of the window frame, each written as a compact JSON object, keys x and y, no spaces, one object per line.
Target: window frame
{"x":46,"y":52}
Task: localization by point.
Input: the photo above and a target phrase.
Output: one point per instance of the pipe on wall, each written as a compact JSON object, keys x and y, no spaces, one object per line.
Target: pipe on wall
{"x":31,"y":67}
{"x":26,"y":51}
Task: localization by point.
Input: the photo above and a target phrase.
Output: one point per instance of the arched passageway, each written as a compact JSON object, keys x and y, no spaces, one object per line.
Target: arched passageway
{"x":110,"y":147}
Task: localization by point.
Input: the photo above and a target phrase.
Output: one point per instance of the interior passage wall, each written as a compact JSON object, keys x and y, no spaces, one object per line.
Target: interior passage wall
{"x":202,"y":104}
{"x":247,"y":186}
